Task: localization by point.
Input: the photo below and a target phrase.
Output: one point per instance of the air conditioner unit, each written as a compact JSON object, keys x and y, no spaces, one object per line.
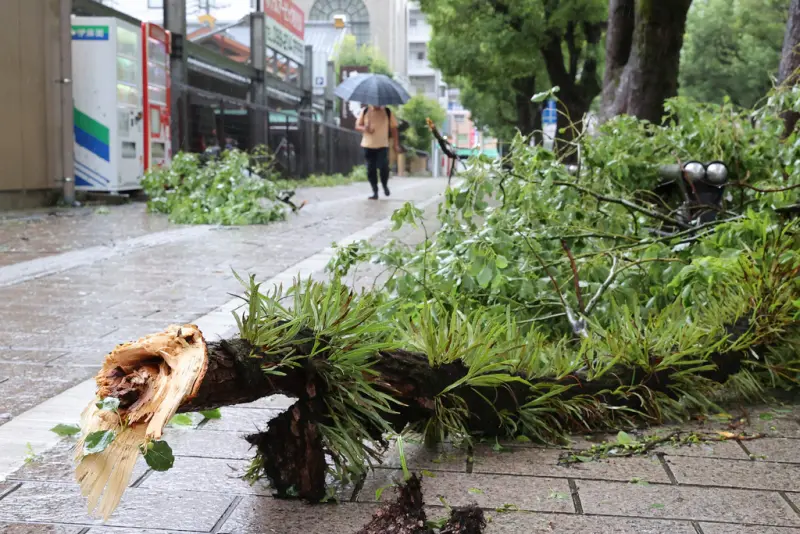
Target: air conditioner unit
{"x":339,"y":21}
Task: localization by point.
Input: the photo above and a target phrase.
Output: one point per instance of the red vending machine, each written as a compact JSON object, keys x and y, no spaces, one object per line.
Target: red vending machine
{"x":156,"y":50}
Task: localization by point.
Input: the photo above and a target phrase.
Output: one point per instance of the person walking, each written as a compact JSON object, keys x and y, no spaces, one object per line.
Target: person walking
{"x":378,"y":125}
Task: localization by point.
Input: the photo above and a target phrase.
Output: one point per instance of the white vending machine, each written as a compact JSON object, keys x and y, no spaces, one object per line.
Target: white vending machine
{"x":108,"y":104}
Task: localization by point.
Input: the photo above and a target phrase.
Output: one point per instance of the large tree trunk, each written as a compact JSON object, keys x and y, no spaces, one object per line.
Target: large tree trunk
{"x":643,"y":46}
{"x":529,"y":114}
{"x":788,"y":74}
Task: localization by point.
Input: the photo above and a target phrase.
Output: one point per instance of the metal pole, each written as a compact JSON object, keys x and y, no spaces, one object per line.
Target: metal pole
{"x":67,"y":148}
{"x":329,"y":97}
{"x":175,"y":23}
{"x":258,"y":86}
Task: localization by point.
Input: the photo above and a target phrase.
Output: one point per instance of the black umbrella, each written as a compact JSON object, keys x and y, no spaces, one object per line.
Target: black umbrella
{"x":372,"y":89}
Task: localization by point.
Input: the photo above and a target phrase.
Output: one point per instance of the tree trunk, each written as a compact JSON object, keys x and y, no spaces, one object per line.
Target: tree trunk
{"x":788,"y":74}
{"x":292,"y":452}
{"x":529,"y":114}
{"x":643,"y":46}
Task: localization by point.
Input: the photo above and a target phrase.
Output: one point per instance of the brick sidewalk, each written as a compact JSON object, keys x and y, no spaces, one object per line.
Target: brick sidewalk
{"x":741,"y":488}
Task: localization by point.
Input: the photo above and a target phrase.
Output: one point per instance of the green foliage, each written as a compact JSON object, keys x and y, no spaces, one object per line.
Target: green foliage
{"x":158,"y":455}
{"x":498,"y":53}
{"x":66,"y":431}
{"x":415,"y":111}
{"x":228,"y":191}
{"x":349,"y":54}
{"x":592,"y":298}
{"x":732,"y":49}
{"x":98,"y":441}
{"x":211,"y":414}
{"x":358,"y":174}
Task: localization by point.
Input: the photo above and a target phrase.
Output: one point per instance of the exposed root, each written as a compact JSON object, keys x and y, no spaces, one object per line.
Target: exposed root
{"x":152,"y":378}
{"x":406,"y":515}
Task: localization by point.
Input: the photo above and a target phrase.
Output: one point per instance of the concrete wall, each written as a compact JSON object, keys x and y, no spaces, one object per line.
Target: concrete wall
{"x":37,"y":108}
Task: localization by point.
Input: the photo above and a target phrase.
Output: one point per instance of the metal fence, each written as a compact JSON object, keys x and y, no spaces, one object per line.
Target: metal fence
{"x":302,"y":145}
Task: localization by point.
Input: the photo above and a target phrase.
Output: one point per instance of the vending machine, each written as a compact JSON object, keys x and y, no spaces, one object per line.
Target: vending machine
{"x":155,"y":61}
{"x":107,"y":96}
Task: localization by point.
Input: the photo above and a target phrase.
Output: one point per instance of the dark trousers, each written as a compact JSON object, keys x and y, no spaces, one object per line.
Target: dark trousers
{"x":377,"y":160}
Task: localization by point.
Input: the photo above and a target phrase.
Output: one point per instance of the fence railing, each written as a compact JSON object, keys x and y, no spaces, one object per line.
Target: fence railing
{"x":301,"y":145}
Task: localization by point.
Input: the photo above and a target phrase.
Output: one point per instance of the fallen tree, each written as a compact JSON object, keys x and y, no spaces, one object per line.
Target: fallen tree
{"x":550,"y":301}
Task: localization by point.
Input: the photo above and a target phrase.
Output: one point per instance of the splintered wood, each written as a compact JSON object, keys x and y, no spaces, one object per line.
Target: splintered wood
{"x":151,"y":378}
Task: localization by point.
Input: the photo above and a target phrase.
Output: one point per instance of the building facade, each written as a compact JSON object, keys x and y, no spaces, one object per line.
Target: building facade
{"x":380,"y":23}
{"x":423,"y":77}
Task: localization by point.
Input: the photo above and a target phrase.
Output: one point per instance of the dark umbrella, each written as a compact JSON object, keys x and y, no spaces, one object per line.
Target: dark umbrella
{"x":372,"y":89}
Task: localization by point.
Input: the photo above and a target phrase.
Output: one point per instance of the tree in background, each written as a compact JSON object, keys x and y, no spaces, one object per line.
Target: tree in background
{"x":790,"y":62}
{"x":643,"y":50}
{"x":351,"y":54}
{"x":501,"y":53}
{"x":732,"y":48}
{"x":415,"y":111}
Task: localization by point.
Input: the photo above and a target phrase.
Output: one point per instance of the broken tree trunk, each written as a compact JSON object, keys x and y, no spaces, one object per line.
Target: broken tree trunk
{"x":178,"y":371}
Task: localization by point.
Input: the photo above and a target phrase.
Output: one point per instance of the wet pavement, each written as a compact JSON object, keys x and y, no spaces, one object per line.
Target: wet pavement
{"x":56,"y":328}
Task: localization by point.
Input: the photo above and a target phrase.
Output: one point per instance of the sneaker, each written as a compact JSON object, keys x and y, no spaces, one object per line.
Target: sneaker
{"x":373,"y":197}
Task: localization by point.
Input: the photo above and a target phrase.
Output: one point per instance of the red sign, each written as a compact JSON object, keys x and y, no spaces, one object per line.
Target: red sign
{"x":287,"y":14}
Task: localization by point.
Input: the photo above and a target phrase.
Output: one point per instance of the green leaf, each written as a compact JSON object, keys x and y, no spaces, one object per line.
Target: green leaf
{"x":523,"y":439}
{"x":98,"y":441}
{"x":66,"y":430}
{"x":379,"y":491}
{"x":501,"y":262}
{"x":766,"y":417}
{"x":475,"y":491}
{"x":181,"y":419}
{"x":109,"y":404}
{"x":212,"y":414}
{"x":558,"y":495}
{"x":623,"y":438}
{"x":485,"y":276}
{"x":584,"y":459}
{"x":159,"y":456}
{"x":428,"y":474}
{"x":639,"y":481}
{"x":656,"y":506}
{"x":544,"y":95}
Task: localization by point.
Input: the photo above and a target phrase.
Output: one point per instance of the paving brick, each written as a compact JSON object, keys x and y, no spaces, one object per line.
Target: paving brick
{"x":528,"y":523}
{"x":775,"y":449}
{"x":735,"y":473}
{"x":28,"y":356}
{"x":264,"y":515}
{"x":206,"y":475}
{"x":101,"y":530}
{"x":715,"y":449}
{"x":275,"y":402}
{"x":202,"y":444}
{"x":725,"y":528}
{"x":28,"y":528}
{"x":687,"y":503}
{"x":241,"y":420}
{"x":57,"y":466}
{"x":443,"y":457}
{"x":487,"y":491}
{"x":63,"y":503}
{"x":544,"y":462}
{"x":29,"y":385}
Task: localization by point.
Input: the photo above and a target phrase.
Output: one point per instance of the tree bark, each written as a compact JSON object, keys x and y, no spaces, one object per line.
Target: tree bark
{"x":643,"y":46}
{"x":788,"y":74}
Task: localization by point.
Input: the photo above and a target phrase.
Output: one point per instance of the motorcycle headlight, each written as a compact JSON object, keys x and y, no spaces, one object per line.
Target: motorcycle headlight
{"x":694,"y":171}
{"x":716,"y":173}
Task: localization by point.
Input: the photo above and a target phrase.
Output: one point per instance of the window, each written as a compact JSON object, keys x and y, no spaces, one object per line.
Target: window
{"x":413,"y":23}
{"x":462,"y":139}
{"x":442,"y":91}
{"x":155,"y":4}
{"x":459,"y":118}
{"x":421,"y":56}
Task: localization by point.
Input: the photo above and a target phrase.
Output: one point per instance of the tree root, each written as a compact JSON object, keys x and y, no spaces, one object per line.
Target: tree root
{"x":406,"y":515}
